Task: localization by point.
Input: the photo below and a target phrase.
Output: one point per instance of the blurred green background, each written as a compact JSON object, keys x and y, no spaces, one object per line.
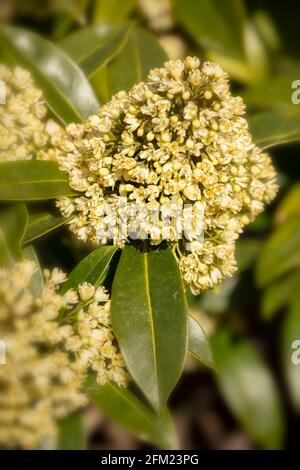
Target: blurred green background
{"x":254,"y":402}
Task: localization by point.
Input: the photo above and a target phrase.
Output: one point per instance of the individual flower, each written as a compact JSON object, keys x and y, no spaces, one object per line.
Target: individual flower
{"x":52,"y":341}
{"x":26,"y":132}
{"x":177,"y":140}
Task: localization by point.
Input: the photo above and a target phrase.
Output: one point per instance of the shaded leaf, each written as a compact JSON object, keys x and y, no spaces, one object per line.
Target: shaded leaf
{"x":37,"y":279}
{"x":289,"y":206}
{"x":280,"y":294}
{"x":249,"y":390}
{"x":72,"y":433}
{"x":93,"y":268}
{"x":149,"y":318}
{"x":64,"y":85}
{"x":112,"y":10}
{"x":291,"y":352}
{"x":217,"y":25}
{"x":41,"y":224}
{"x":13,"y":223}
{"x":198,"y":344}
{"x":94,"y":46}
{"x":124,"y":407}
{"x":30,"y":180}
{"x":139,"y":55}
{"x":276,"y":127}
{"x":280,"y":253}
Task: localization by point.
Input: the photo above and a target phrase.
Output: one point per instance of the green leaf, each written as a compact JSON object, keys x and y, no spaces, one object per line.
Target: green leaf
{"x":279,"y":294}
{"x":280,"y":253}
{"x":94,"y":46}
{"x":112,"y":10}
{"x":37,"y":279}
{"x":291,"y":353}
{"x":217,"y":25}
{"x":13,"y":223}
{"x":65,"y":87}
{"x":249,"y":390}
{"x":140,"y":53}
{"x":93,"y":268}
{"x":273,"y":92}
{"x":276,"y":127}
{"x":198,"y":344}
{"x":72,"y":433}
{"x":41,"y":224}
{"x":289,"y":206}
{"x":124,"y":407}
{"x":149,"y":318}
{"x":30,"y":180}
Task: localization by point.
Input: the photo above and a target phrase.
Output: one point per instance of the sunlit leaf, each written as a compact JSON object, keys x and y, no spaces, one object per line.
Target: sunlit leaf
{"x":276,"y":127}
{"x":198,"y":344}
{"x":94,"y":46}
{"x":149,"y":318}
{"x":13,"y":222}
{"x":249,"y":390}
{"x":93,"y":268}
{"x":64,"y":85}
{"x":30,"y":180}
{"x":124,"y":407}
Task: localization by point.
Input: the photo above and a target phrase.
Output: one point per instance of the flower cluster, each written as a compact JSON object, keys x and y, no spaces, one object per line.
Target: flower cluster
{"x":25,"y":131}
{"x":48,"y":357}
{"x":179,"y":138}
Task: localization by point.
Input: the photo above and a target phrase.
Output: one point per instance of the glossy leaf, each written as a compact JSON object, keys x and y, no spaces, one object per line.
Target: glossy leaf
{"x":139,"y":55}
{"x":249,"y":390}
{"x":277,"y":127}
{"x":280,"y":253}
{"x":94,"y":46}
{"x":37,"y":279}
{"x":72,"y":433}
{"x":149,"y":318}
{"x":13,"y":222}
{"x":31,"y":180}
{"x":291,"y":353}
{"x":64,"y":85}
{"x":41,"y":224}
{"x":93,"y":268}
{"x":124,"y":407}
{"x":217,"y":24}
{"x":198,"y":344}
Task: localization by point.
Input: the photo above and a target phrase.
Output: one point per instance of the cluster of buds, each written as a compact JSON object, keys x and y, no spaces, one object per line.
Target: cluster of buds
{"x":49,"y":354}
{"x":26,"y":132}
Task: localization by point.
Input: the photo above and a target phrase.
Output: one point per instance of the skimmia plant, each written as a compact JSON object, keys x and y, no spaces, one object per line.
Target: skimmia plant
{"x":158,"y":183}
